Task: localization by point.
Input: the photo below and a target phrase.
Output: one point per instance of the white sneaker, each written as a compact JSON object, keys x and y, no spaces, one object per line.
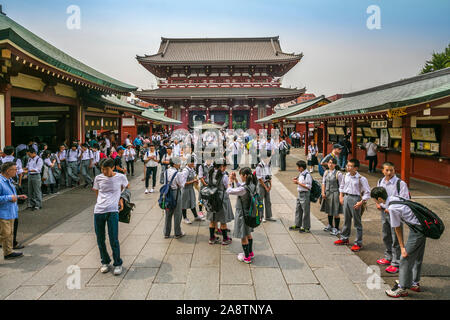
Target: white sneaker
{"x":200,"y":218}
{"x":328,"y":228}
{"x":241,"y":257}
{"x":117,"y":270}
{"x":104,"y":268}
{"x":187,"y":221}
{"x":146,"y":191}
{"x":151,"y":191}
{"x":264,"y":220}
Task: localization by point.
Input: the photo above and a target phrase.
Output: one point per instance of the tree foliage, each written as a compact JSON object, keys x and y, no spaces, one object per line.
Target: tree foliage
{"x":438,"y":61}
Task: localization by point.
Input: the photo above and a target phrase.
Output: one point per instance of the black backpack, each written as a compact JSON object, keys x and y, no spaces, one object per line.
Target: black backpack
{"x":210,"y":196}
{"x":125,"y":214}
{"x":432,"y":225}
{"x":316,"y":190}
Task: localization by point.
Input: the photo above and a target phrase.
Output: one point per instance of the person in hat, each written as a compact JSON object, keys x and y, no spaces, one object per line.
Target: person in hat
{"x":335,"y":154}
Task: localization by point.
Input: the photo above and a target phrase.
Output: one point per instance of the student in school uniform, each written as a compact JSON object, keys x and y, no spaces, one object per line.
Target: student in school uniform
{"x":303,"y":208}
{"x":165,"y":161}
{"x":203,"y":176}
{"x":354,"y":192}
{"x":175,"y":187}
{"x":62,"y":165}
{"x":219,"y":178}
{"x":130,"y":156}
{"x":235,"y":148}
{"x":264,"y":176}
{"x":72,"y":158}
{"x":34,"y":169}
{"x":96,"y":160}
{"x":412,"y":252}
{"x":394,"y":187}
{"x":188,"y":197}
{"x":86,"y":158}
{"x":243,"y":203}
{"x":49,"y":165}
{"x":332,"y":179}
{"x":312,"y":155}
{"x":151,"y":160}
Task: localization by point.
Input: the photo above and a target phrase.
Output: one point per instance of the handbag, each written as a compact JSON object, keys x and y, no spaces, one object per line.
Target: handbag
{"x":45,"y":173}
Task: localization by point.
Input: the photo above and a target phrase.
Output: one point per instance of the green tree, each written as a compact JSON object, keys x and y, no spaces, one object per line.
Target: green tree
{"x":438,"y":61}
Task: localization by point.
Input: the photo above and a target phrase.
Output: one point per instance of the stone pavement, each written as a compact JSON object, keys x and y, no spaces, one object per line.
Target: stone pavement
{"x":287,"y":265}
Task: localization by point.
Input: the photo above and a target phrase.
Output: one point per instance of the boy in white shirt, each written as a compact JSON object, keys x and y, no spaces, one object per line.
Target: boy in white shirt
{"x":354,"y":192}
{"x":302,"y":212}
{"x":130,"y":156}
{"x":412,"y":253}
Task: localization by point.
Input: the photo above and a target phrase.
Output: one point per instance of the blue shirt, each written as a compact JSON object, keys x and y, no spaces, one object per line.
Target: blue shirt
{"x":137,"y":142}
{"x":8,"y":210}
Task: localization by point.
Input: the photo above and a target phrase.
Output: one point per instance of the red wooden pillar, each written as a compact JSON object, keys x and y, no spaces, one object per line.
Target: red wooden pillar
{"x":120,"y":123}
{"x":306,"y":138}
{"x":325,"y":138}
{"x":281,"y":128}
{"x":354,"y":139}
{"x":406,"y":151}
{"x":150,"y":125}
{"x":230,"y":119}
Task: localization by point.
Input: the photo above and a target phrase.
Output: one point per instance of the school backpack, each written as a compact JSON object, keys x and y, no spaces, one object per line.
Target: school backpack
{"x":210,"y":196}
{"x":316,"y":190}
{"x":321,"y":169}
{"x":432,"y":225}
{"x":166,"y":199}
{"x":252,"y":216}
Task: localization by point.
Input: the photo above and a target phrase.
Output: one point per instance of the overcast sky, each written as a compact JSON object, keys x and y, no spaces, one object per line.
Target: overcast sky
{"x":340,"y":53}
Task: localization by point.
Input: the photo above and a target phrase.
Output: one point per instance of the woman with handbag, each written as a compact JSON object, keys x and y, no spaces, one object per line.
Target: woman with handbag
{"x":243,"y":203}
{"x":312,"y":156}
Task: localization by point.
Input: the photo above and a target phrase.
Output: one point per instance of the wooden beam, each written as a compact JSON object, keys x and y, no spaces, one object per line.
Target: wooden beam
{"x":41,"y":96}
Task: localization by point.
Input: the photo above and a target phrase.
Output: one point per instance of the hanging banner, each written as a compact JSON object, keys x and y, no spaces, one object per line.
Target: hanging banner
{"x":340,"y":123}
{"x":397,"y":113}
{"x":379,"y":124}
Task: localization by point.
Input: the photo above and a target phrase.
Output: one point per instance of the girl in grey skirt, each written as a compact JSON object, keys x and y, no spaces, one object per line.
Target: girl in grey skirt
{"x":241,"y":230}
{"x":218,"y":177}
{"x":332,"y":178}
{"x":189,"y":200}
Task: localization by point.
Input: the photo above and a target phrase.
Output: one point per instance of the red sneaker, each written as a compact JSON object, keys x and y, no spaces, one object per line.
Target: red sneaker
{"x":383,"y":262}
{"x":392,"y":269}
{"x":341,"y":242}
{"x":415,"y":288}
{"x":356,"y":248}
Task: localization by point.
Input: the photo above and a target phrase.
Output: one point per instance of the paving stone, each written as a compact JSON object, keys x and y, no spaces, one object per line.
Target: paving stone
{"x":270,"y":285}
{"x":28,"y":293}
{"x":316,"y":256}
{"x":237,"y":292}
{"x":68,"y":239}
{"x":60,"y":291}
{"x":136,"y":284}
{"x":54,"y":271}
{"x":295,"y":269}
{"x":91,"y":260}
{"x":206,"y":255}
{"x":166,"y":291}
{"x":281,"y":208}
{"x":13,"y":280}
{"x":133,"y":245}
{"x":308,"y":292}
{"x":82,"y":246}
{"x":327,"y":241}
{"x":274,"y":227}
{"x":233,"y":271}
{"x":202,"y":284}
{"x":174,"y":269}
{"x":145,"y":227}
{"x":282,"y":244}
{"x":185,"y":244}
{"x":152,"y":255}
{"x":337,"y":285}
{"x":109,"y":279}
{"x":354,"y":267}
{"x":374,"y":294}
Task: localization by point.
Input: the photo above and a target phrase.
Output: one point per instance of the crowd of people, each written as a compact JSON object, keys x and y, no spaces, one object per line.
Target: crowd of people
{"x":193,"y":161}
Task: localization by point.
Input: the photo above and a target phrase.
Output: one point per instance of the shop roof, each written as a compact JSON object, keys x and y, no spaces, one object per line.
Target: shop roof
{"x":154,"y":116}
{"x":397,"y":94}
{"x":291,"y":110}
{"x":37,"y":47}
{"x":199,"y":93}
{"x":219,"y":50}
